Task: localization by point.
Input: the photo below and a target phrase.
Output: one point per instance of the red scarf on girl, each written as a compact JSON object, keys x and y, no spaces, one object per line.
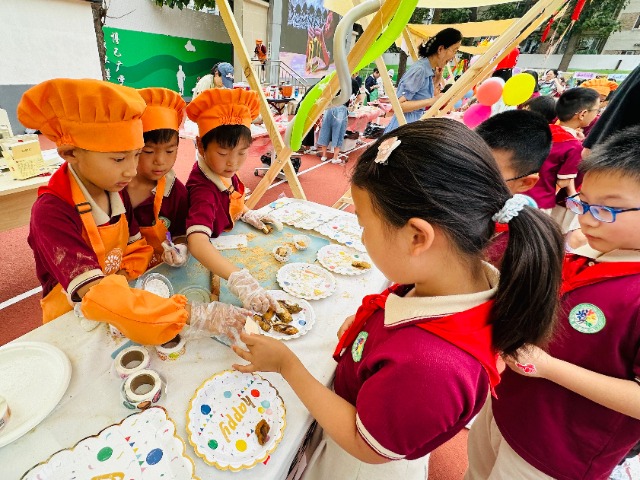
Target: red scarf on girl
{"x":577,"y":273}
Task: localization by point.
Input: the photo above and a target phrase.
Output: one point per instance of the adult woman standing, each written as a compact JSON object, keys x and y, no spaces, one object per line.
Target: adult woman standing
{"x":551,"y":84}
{"x":419,"y":87}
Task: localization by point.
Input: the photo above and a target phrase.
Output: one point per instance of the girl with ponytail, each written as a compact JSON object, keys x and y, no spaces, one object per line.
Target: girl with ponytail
{"x":418,"y":361}
{"x":419,"y":87}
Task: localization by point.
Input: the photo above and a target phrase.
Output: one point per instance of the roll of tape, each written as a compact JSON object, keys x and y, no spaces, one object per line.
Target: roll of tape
{"x":5,"y":412}
{"x":172,"y":349}
{"x":141,"y":390}
{"x":131,"y":360}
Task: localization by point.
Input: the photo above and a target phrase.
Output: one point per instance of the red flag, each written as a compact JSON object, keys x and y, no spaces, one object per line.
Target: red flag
{"x":547,"y":29}
{"x":577,"y":10}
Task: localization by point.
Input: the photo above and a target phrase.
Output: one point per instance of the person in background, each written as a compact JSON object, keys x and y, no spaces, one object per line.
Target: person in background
{"x":418,"y":361}
{"x":605,"y":88}
{"x":371,"y":84}
{"x":418,"y":88}
{"x":158,"y":198}
{"x":551,"y":84}
{"x":545,"y":106}
{"x":572,"y":410}
{"x":83,"y":234}
{"x":221,"y":76}
{"x":520,"y":142}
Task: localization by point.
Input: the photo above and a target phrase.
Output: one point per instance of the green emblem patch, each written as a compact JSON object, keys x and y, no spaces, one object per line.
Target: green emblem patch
{"x":587,"y":318}
{"x":166,"y":221}
{"x":358,"y":346}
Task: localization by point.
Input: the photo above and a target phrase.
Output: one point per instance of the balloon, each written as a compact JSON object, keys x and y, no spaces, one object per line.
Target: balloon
{"x":296,"y":125}
{"x":469,"y":94}
{"x":490,"y":91}
{"x":518,"y":89}
{"x":458,"y":104}
{"x":476,"y":114}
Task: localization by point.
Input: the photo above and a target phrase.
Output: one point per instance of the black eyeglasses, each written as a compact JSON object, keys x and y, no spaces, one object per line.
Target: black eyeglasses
{"x":521,"y":176}
{"x":599,"y":212}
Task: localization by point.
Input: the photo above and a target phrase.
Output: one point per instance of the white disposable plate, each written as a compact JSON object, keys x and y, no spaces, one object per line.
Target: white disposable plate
{"x":305,"y":280}
{"x":34,"y":377}
{"x":338,"y":259}
{"x":302,"y":320}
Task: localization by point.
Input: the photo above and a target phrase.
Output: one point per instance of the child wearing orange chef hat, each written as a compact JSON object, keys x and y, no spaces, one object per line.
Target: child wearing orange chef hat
{"x":216,"y":194}
{"x":158,"y":198}
{"x":602,"y":85}
{"x":85,"y":240}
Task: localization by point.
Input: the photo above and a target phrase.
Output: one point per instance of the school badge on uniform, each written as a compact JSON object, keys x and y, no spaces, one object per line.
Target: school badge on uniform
{"x":166,"y":221}
{"x":587,"y":318}
{"x":358,"y":346}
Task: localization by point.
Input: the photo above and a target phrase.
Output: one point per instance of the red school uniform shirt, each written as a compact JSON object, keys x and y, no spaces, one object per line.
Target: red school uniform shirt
{"x":561,"y":164}
{"x":412,"y":389}
{"x":209,"y":201}
{"x":174,"y":208}
{"x":559,"y":432}
{"x":61,"y":254}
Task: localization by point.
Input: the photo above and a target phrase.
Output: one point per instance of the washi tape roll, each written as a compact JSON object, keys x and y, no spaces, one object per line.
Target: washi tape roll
{"x":172,"y":349}
{"x":131,"y":360}
{"x":141,"y":390}
{"x":5,"y":412}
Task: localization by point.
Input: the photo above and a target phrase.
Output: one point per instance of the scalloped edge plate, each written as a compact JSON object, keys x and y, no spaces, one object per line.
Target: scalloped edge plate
{"x":284,"y":280}
{"x":327,"y":255}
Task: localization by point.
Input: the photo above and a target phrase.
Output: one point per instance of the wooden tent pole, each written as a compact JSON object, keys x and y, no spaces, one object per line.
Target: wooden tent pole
{"x":283,"y":152}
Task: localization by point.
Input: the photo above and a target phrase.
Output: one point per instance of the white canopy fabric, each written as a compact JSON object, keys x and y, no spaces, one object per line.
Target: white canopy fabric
{"x":342,"y":6}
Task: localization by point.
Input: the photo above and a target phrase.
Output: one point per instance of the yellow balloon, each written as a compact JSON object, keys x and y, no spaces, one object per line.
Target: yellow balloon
{"x":518,"y":89}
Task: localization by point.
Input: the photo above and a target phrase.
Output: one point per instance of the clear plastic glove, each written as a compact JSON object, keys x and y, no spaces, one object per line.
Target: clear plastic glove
{"x":215,"y":318}
{"x":258,"y":220}
{"x":176,"y":255}
{"x":248,"y":290}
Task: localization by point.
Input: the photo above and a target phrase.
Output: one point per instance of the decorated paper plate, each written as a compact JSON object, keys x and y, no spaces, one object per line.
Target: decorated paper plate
{"x":143,"y":447}
{"x":33,"y":378}
{"x":227,"y":416}
{"x":304,"y":215}
{"x":196,"y":294}
{"x":344,"y":229}
{"x":305,"y":280}
{"x":344,"y":260}
{"x":302,"y":320}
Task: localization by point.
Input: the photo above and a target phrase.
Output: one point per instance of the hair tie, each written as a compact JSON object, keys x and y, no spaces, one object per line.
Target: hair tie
{"x":512,"y":208}
{"x":385,"y":149}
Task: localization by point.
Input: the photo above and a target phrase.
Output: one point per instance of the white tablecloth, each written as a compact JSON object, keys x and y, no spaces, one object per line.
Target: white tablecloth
{"x":92,"y":401}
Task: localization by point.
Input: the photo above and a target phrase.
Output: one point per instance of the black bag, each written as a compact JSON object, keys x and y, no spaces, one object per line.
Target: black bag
{"x":296,"y":162}
{"x":373,"y":130}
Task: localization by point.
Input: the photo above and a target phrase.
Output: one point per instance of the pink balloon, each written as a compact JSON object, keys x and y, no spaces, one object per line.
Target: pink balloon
{"x":490,"y":91}
{"x":476,"y":114}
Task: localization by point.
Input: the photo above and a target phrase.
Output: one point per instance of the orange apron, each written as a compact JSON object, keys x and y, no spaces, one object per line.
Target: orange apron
{"x":156,"y":233}
{"x":236,"y":201}
{"x":108,"y":242}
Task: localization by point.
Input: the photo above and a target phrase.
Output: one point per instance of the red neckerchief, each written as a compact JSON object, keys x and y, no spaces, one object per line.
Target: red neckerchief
{"x":502,"y":227}
{"x":470,"y":330}
{"x":559,"y":134}
{"x":577,"y":273}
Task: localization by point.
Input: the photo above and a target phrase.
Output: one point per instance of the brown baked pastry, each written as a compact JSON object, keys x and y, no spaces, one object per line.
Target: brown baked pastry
{"x":290,"y":307}
{"x":284,"y":316}
{"x":282,"y":251}
{"x":267,"y":229}
{"x":262,"y":323}
{"x":284,"y":328}
{"x":262,"y":431}
{"x":268,"y":315}
{"x":360,"y":264}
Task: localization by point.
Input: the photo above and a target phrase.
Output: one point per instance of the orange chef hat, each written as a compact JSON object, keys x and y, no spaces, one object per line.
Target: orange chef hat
{"x":222,"y":106}
{"x":90,"y":114}
{"x":165,"y":109}
{"x":601,"y":85}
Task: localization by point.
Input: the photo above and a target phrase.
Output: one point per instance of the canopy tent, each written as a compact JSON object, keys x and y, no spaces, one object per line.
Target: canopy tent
{"x":489,"y":28}
{"x":343,"y":6}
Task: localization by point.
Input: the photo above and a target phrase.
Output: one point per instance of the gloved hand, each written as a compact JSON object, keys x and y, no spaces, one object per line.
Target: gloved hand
{"x":249,"y":291}
{"x":176,"y":255}
{"x":258,"y":220}
{"x":216,"y":318}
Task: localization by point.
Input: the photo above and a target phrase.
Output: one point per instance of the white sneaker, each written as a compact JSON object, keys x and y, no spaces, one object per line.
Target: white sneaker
{"x":323,"y":159}
{"x":337,"y":161}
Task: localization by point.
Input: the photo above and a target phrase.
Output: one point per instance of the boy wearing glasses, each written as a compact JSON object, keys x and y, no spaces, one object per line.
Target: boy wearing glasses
{"x":576,"y":108}
{"x":580,"y":413}
{"x":520,"y":142}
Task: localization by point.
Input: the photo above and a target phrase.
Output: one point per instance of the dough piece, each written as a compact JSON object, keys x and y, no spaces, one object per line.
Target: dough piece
{"x":262,"y":323}
{"x":268,"y":315}
{"x":284,"y":328}
{"x":262,"y":431}
{"x":284,"y":316}
{"x":290,"y":307}
{"x":282,"y":251}
{"x":267,"y":229}
{"x":360,"y":264}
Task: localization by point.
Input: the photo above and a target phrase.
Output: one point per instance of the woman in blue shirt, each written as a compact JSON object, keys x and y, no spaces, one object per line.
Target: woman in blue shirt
{"x":416,"y":91}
